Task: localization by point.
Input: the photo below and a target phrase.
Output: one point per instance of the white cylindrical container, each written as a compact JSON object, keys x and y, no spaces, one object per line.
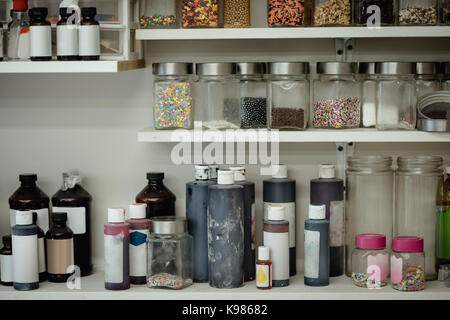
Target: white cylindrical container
{"x":89,"y":35}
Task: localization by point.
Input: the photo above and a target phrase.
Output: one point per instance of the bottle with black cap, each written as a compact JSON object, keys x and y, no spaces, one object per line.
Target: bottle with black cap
{"x":41,"y":250}
{"x":159,"y":199}
{"x":59,"y":241}
{"x":89,"y":35}
{"x":6,"y":262}
{"x":67,"y":35}
{"x":40,"y":35}
{"x":30,"y":197}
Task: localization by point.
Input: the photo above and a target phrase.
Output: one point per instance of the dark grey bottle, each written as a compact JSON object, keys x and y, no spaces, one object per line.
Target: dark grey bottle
{"x":317,"y":262}
{"x":197,"y":217}
{"x":226,"y":232}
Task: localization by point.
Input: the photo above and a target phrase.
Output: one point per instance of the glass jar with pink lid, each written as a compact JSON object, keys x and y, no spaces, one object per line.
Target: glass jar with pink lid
{"x":407,"y":264}
{"x":370,"y":261}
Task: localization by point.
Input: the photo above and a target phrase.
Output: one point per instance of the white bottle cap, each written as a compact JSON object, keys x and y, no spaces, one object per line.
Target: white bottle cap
{"x":263,"y":253}
{"x":239,"y":173}
{"x":447,"y":170}
{"x":24,"y":218}
{"x":279,"y":171}
{"x":213,"y":168}
{"x":138,"y":211}
{"x":116,"y":215}
{"x":317,"y":211}
{"x":276,"y":212}
{"x":201,"y":172}
{"x":327,"y":171}
{"x":225,"y":177}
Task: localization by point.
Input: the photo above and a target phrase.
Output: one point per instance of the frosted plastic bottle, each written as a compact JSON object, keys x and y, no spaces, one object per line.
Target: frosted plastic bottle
{"x":6,"y":262}
{"x":41,"y":251}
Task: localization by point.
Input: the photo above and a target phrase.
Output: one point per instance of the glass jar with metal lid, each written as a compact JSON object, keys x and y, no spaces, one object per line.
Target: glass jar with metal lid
{"x":253,"y":94}
{"x":287,"y":95}
{"x":418,"y":12}
{"x":172,"y":95}
{"x":446,"y":81}
{"x":170,"y":254}
{"x":369,"y":200}
{"x":396,"y":98}
{"x":427,"y":78}
{"x":364,"y":12}
{"x":289,"y":13}
{"x":368,"y":79}
{"x":332,"y":12}
{"x":159,"y":14}
{"x":217,"y":96}
{"x":417,"y":182}
{"x":201,"y":13}
{"x":445,"y":12}
{"x":337,"y":96}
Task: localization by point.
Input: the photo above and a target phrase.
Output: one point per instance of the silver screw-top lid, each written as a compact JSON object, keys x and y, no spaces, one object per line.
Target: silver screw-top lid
{"x":367,"y":68}
{"x":215,"y":69}
{"x":250,"y":68}
{"x":168,"y":225}
{"x":172,"y":68}
{"x":395,"y":68}
{"x":427,"y":68}
{"x":336,"y":68}
{"x":288,"y":68}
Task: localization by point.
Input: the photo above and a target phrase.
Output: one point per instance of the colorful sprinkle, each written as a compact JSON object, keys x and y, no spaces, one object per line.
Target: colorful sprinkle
{"x":165,"y":280}
{"x":413,"y":279}
{"x":173,"y":105}
{"x":286,"y":12}
{"x":337,"y":113}
{"x":362,"y":280}
{"x":200,"y":13}
{"x":158,"y":20}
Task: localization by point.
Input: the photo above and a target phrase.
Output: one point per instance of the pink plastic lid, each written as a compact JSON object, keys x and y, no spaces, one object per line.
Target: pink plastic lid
{"x":407,"y":244}
{"x":370,"y":241}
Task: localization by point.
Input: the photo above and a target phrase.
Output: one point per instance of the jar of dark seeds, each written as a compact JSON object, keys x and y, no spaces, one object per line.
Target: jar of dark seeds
{"x":287,"y":95}
{"x":445,"y":12}
{"x":418,"y":12}
{"x":253,"y":95}
{"x":364,"y":10}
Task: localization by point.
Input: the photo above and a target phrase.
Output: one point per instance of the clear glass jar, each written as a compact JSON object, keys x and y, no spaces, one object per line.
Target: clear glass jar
{"x":370,"y":261}
{"x":159,"y":14}
{"x":369,"y":94}
{"x":201,"y":13}
{"x":217,"y":96}
{"x":369,"y":200}
{"x":445,"y":12}
{"x":417,"y":181}
{"x":337,"y":96}
{"x":418,"y":12}
{"x":253,"y":95}
{"x":170,"y":254}
{"x":289,"y":13}
{"x":396,"y":98}
{"x":236,"y":14}
{"x":407,"y":264}
{"x":363,"y":11}
{"x":446,"y":80}
{"x":288,"y":95}
{"x":427,"y":78}
{"x":332,"y":12}
{"x":173,"y":98}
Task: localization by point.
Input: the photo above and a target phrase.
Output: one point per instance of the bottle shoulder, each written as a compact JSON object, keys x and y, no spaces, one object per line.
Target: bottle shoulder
{"x":76,"y":194}
{"x":151,"y":191}
{"x":59,"y":233}
{"x":27,"y":194}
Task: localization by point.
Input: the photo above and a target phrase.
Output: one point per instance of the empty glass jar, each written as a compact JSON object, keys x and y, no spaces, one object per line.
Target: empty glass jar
{"x":368,"y":79}
{"x":364,"y":12}
{"x":418,"y":12}
{"x":289,"y":13}
{"x":396,"y":96}
{"x":170,"y":254}
{"x":332,"y":12}
{"x":337,"y":96}
{"x":236,"y":14}
{"x":172,"y":100}
{"x":288,"y":95}
{"x":201,"y":13}
{"x":370,"y":200}
{"x":427,"y":78}
{"x":160,"y":14}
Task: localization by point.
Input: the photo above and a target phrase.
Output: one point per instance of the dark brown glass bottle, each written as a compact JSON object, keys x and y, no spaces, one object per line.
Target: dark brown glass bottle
{"x":89,"y":35}
{"x":40,"y":35}
{"x":30,"y":197}
{"x":160,"y":200}
{"x":76,"y":201}
{"x":67,"y":35}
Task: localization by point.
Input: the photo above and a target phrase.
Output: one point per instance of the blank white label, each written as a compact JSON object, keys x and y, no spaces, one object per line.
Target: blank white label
{"x":67,"y":40}
{"x":312,"y":254}
{"x":138,"y":256}
{"x":42,"y":218}
{"x":25,"y":258}
{"x":41,"y":255}
{"x":40,"y":41}
{"x":76,"y":218}
{"x":289,"y":211}
{"x":6,"y":268}
{"x":114,"y":258}
{"x":89,"y":41}
{"x":279,"y":252}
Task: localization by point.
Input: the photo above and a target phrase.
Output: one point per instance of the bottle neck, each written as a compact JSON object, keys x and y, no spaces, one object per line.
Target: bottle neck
{"x":19,"y":15}
{"x":28,"y":185}
{"x":59,"y":224}
{"x":155,"y":182}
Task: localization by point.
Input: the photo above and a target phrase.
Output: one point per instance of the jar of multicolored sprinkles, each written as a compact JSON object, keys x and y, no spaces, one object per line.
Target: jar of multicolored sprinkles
{"x":159,"y":14}
{"x":407,"y":264}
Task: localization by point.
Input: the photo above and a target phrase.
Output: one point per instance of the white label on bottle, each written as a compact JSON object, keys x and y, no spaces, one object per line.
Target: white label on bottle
{"x":25,"y":258}
{"x":6,"y":267}
{"x":41,"y":255}
{"x":67,"y":40}
{"x":42,"y":218}
{"x":263,"y":276}
{"x":23,"y":46}
{"x":289,"y":211}
{"x":76,"y":218}
{"x":89,"y":40}
{"x":312,"y":254}
{"x":40,"y":41}
{"x":279,"y":251}
{"x":336,"y":223}
{"x":138,"y":253}
{"x":114,"y":258}
{"x":253,"y":230}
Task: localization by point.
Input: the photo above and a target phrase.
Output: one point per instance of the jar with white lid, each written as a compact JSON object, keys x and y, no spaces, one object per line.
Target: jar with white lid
{"x":396,"y":95}
{"x":368,"y":78}
{"x":427,"y":78}
{"x":172,"y":95}
{"x":288,"y":95}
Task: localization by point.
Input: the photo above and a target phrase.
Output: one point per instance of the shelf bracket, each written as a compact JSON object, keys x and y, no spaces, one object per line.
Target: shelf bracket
{"x":343,"y":150}
{"x":344,"y":49}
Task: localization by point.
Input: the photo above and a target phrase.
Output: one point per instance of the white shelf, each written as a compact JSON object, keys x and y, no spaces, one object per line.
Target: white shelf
{"x":309,"y":135}
{"x":292,"y":33}
{"x":102,"y":66}
{"x":92,"y":287}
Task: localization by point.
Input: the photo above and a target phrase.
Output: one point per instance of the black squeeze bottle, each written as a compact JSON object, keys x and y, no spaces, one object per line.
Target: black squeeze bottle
{"x":73,"y":199}
{"x":6,"y":262}
{"x":41,"y":251}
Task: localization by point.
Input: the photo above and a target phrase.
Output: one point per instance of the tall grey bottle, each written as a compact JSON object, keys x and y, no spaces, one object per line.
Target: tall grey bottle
{"x":281,"y":191}
{"x":226,"y":232}
{"x":196,"y":214}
